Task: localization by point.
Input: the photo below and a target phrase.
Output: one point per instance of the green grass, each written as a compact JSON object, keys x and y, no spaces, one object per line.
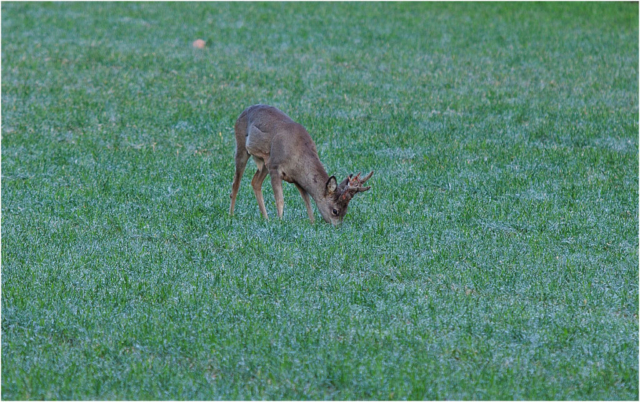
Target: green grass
{"x":496,"y":256}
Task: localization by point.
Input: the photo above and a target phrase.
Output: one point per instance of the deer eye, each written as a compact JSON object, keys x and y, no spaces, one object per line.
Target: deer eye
{"x":335,"y":212}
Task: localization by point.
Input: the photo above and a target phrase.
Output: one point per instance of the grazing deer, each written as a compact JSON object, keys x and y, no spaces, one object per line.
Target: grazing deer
{"x":283,"y":149}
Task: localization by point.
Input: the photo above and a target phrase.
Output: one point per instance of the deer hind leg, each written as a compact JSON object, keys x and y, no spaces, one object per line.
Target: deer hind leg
{"x":305,"y":197}
{"x":242,"y":156}
{"x":256,"y":183}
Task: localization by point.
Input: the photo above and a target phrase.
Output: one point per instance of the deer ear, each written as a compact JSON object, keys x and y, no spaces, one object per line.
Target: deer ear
{"x":331,"y":186}
{"x":343,"y":185}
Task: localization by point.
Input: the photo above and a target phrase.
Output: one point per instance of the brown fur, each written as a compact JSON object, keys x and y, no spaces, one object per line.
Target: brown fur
{"x":283,"y":149}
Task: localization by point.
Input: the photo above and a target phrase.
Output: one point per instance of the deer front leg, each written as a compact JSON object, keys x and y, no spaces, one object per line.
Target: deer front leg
{"x":256,"y":183}
{"x":276,"y":184}
{"x":305,"y":197}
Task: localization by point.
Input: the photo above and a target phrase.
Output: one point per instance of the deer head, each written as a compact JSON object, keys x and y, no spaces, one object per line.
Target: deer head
{"x":337,"y":197}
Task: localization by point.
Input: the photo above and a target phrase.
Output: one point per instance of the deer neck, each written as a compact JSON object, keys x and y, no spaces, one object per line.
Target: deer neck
{"x":315,"y":180}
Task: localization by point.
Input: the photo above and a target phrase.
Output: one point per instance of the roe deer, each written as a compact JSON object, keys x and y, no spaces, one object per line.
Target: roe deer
{"x":284,"y":149}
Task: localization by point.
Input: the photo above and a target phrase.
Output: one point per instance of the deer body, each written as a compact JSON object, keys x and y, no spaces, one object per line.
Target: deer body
{"x":284,"y":150}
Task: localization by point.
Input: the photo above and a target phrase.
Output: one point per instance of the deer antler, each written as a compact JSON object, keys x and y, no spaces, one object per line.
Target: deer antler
{"x":367,"y":177}
{"x":354,"y":185}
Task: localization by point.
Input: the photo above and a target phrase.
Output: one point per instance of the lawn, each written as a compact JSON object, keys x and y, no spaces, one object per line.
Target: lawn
{"x":495,"y":257}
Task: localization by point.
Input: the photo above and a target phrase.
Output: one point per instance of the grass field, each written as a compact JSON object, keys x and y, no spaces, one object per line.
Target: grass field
{"x":496,"y":256}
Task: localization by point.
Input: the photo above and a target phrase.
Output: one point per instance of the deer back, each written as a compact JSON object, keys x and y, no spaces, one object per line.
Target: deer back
{"x":285,"y":144}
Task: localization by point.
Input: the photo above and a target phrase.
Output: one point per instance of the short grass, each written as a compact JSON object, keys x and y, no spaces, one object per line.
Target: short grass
{"x":495,"y":258}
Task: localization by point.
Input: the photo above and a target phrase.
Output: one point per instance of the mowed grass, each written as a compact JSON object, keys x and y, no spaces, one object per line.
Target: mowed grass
{"x":496,"y":256}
